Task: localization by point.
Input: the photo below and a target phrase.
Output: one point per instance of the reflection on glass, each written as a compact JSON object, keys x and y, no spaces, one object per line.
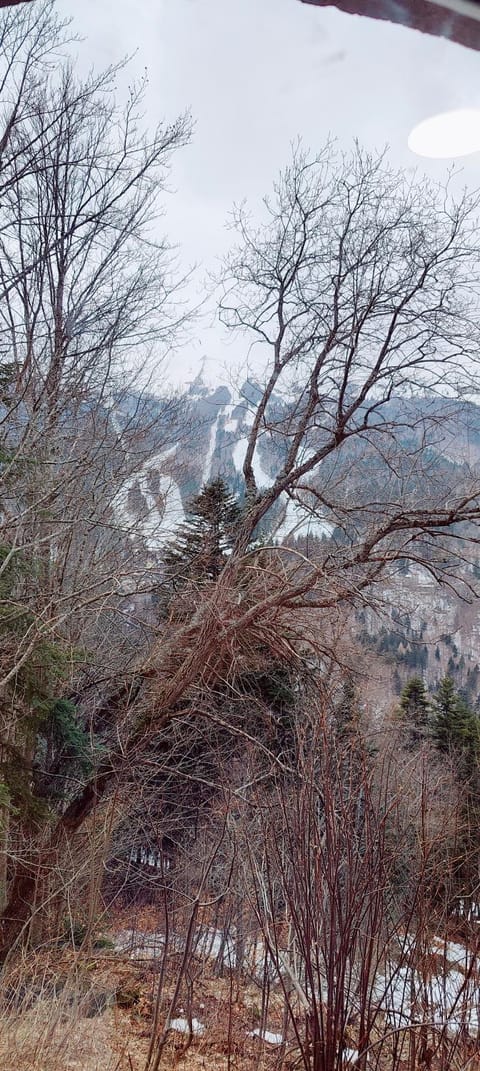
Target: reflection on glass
{"x":448,"y":135}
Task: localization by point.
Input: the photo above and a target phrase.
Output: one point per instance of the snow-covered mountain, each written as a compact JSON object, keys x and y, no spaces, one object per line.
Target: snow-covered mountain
{"x":422,"y":627}
{"x":211,"y":441}
{"x":206,"y":433}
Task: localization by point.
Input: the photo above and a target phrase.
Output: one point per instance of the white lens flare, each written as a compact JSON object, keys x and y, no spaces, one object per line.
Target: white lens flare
{"x":448,"y":135}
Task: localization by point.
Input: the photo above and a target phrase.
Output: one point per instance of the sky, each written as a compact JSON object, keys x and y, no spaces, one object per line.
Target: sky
{"x":256,"y":74}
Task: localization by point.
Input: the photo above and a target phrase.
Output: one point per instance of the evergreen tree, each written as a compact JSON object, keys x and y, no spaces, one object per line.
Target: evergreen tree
{"x":455,"y":728}
{"x":414,"y":708}
{"x":347,"y":711}
{"x":456,"y":731}
{"x":200,"y":546}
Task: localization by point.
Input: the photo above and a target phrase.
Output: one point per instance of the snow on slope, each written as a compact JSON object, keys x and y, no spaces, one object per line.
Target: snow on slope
{"x":299,"y":520}
{"x":248,"y":416}
{"x":164,"y":509}
{"x":182,"y":1026}
{"x":230,"y":422}
{"x":173,"y":511}
{"x":238,"y":454}
{"x":159,"y":507}
{"x":452,"y":1000}
{"x":207,"y":468}
{"x":261,"y":477}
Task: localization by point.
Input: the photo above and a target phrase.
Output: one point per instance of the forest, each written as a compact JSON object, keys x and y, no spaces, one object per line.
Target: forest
{"x":223,"y":838}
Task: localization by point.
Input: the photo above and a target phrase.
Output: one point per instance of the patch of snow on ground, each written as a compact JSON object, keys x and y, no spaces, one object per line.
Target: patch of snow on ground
{"x":306,"y":454}
{"x":208,"y":944}
{"x":449,"y":1000}
{"x":157,"y":460}
{"x":266,"y":1035}
{"x":451,"y":951}
{"x":422,"y":577}
{"x":157,"y":529}
{"x":116,"y":425}
{"x":349,"y":1057}
{"x":182,"y":1026}
{"x":140,"y":945}
{"x":213,"y":943}
{"x":156,"y":526}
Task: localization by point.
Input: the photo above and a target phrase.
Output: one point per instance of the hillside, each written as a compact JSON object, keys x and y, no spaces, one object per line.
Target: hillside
{"x":417,"y":623}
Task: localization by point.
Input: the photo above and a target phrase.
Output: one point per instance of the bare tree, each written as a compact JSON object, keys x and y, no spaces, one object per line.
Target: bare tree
{"x":90,"y":307}
{"x":78,"y":212}
{"x":346,"y":865}
{"x":356,"y":291}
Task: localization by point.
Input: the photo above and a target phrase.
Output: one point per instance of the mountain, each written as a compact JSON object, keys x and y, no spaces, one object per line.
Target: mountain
{"x":211,"y":440}
{"x":418,"y":625}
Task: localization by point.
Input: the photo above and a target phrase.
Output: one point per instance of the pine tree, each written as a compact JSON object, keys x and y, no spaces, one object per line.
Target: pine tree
{"x":455,"y":727}
{"x":201,"y":544}
{"x":414,"y":708}
{"x":456,"y":732}
{"x":347,"y":712}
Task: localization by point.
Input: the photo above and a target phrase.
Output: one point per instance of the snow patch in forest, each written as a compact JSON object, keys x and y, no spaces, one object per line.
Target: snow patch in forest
{"x":116,"y":425}
{"x":422,"y":577}
{"x":448,"y":999}
{"x":451,"y":951}
{"x":156,"y":529}
{"x":266,"y":1035}
{"x":349,"y":1057}
{"x":157,"y":460}
{"x":226,"y":946}
{"x":140,"y":945}
{"x":215,"y":943}
{"x":262,"y":478}
{"x":182,"y":1026}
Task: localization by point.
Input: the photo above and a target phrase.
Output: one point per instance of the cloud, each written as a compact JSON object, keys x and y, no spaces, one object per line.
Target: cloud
{"x":257,"y":73}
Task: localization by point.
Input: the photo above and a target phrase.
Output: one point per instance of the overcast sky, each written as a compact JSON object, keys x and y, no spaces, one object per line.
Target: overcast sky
{"x":255,"y":75}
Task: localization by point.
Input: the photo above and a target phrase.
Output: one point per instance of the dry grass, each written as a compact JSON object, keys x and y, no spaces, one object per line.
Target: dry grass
{"x":45,"y":1038}
{"x":47,"y":1021}
{"x":50,"y":1018}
